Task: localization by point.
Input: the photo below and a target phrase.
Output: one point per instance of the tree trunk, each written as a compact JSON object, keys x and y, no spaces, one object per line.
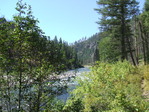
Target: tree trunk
{"x":136,"y":46}
{"x":147,"y":48}
{"x":131,"y":51}
{"x":20,"y":85}
{"x":39,"y":96}
{"x":143,"y":42}
{"x":8,"y":93}
{"x":20,"y":76}
{"x":123,"y":47}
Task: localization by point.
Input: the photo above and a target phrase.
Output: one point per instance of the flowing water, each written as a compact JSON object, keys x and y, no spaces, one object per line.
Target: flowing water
{"x":71,"y":83}
{"x":65,"y":80}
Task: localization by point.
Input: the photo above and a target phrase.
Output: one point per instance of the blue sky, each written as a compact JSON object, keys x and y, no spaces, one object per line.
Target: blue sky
{"x":68,"y":19}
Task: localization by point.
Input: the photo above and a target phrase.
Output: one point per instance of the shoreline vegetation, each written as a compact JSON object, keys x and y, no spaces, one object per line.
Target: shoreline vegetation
{"x":111,"y":87}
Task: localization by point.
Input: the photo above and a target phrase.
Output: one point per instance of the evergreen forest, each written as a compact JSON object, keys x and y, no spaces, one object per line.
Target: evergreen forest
{"x":31,"y":63}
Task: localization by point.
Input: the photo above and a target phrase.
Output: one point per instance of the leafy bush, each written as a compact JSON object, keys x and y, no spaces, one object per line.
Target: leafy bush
{"x":109,"y":88}
{"x":108,"y":51}
{"x":54,"y":106}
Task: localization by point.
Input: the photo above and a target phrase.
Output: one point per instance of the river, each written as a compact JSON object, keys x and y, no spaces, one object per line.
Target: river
{"x":72,"y":84}
{"x":65,"y":81}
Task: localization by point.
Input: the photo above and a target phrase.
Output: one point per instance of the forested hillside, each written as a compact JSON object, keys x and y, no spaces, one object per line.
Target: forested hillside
{"x":87,"y":49}
{"x":123,"y":35}
{"x":124,"y":31}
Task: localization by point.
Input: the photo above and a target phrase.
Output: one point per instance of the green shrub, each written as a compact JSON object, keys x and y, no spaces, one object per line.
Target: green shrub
{"x":110,"y":88}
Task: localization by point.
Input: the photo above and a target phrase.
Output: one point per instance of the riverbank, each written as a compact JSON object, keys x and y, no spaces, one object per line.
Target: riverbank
{"x":88,"y":66}
{"x":70,"y":73}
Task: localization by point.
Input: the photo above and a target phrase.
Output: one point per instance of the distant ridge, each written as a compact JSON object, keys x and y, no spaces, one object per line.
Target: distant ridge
{"x":87,"y":49}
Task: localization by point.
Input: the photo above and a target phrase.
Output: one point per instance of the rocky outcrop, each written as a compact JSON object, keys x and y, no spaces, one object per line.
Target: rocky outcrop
{"x":87,"y":50}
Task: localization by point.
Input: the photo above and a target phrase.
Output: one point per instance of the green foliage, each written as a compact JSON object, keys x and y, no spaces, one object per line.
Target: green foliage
{"x":54,"y":105}
{"x":144,"y":27}
{"x":145,"y":71}
{"x":145,"y":20}
{"x":109,"y":88}
{"x":114,"y":20}
{"x":108,"y":51}
{"x":73,"y":105}
{"x":146,"y":6}
{"x":113,"y":12}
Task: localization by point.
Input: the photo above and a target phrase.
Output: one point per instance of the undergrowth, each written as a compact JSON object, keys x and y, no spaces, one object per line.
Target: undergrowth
{"x":110,"y":88}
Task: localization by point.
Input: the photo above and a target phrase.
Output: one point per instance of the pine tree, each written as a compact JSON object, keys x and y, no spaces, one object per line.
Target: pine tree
{"x":146,"y":6}
{"x":116,"y":15}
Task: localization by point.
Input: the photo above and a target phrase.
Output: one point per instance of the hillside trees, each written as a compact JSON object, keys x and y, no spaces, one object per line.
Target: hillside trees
{"x":144,"y":32}
{"x":87,"y":50}
{"x":116,"y":15}
{"x":139,"y":26}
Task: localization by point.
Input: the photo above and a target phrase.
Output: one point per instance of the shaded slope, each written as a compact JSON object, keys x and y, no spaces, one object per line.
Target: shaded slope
{"x":87,"y":50}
